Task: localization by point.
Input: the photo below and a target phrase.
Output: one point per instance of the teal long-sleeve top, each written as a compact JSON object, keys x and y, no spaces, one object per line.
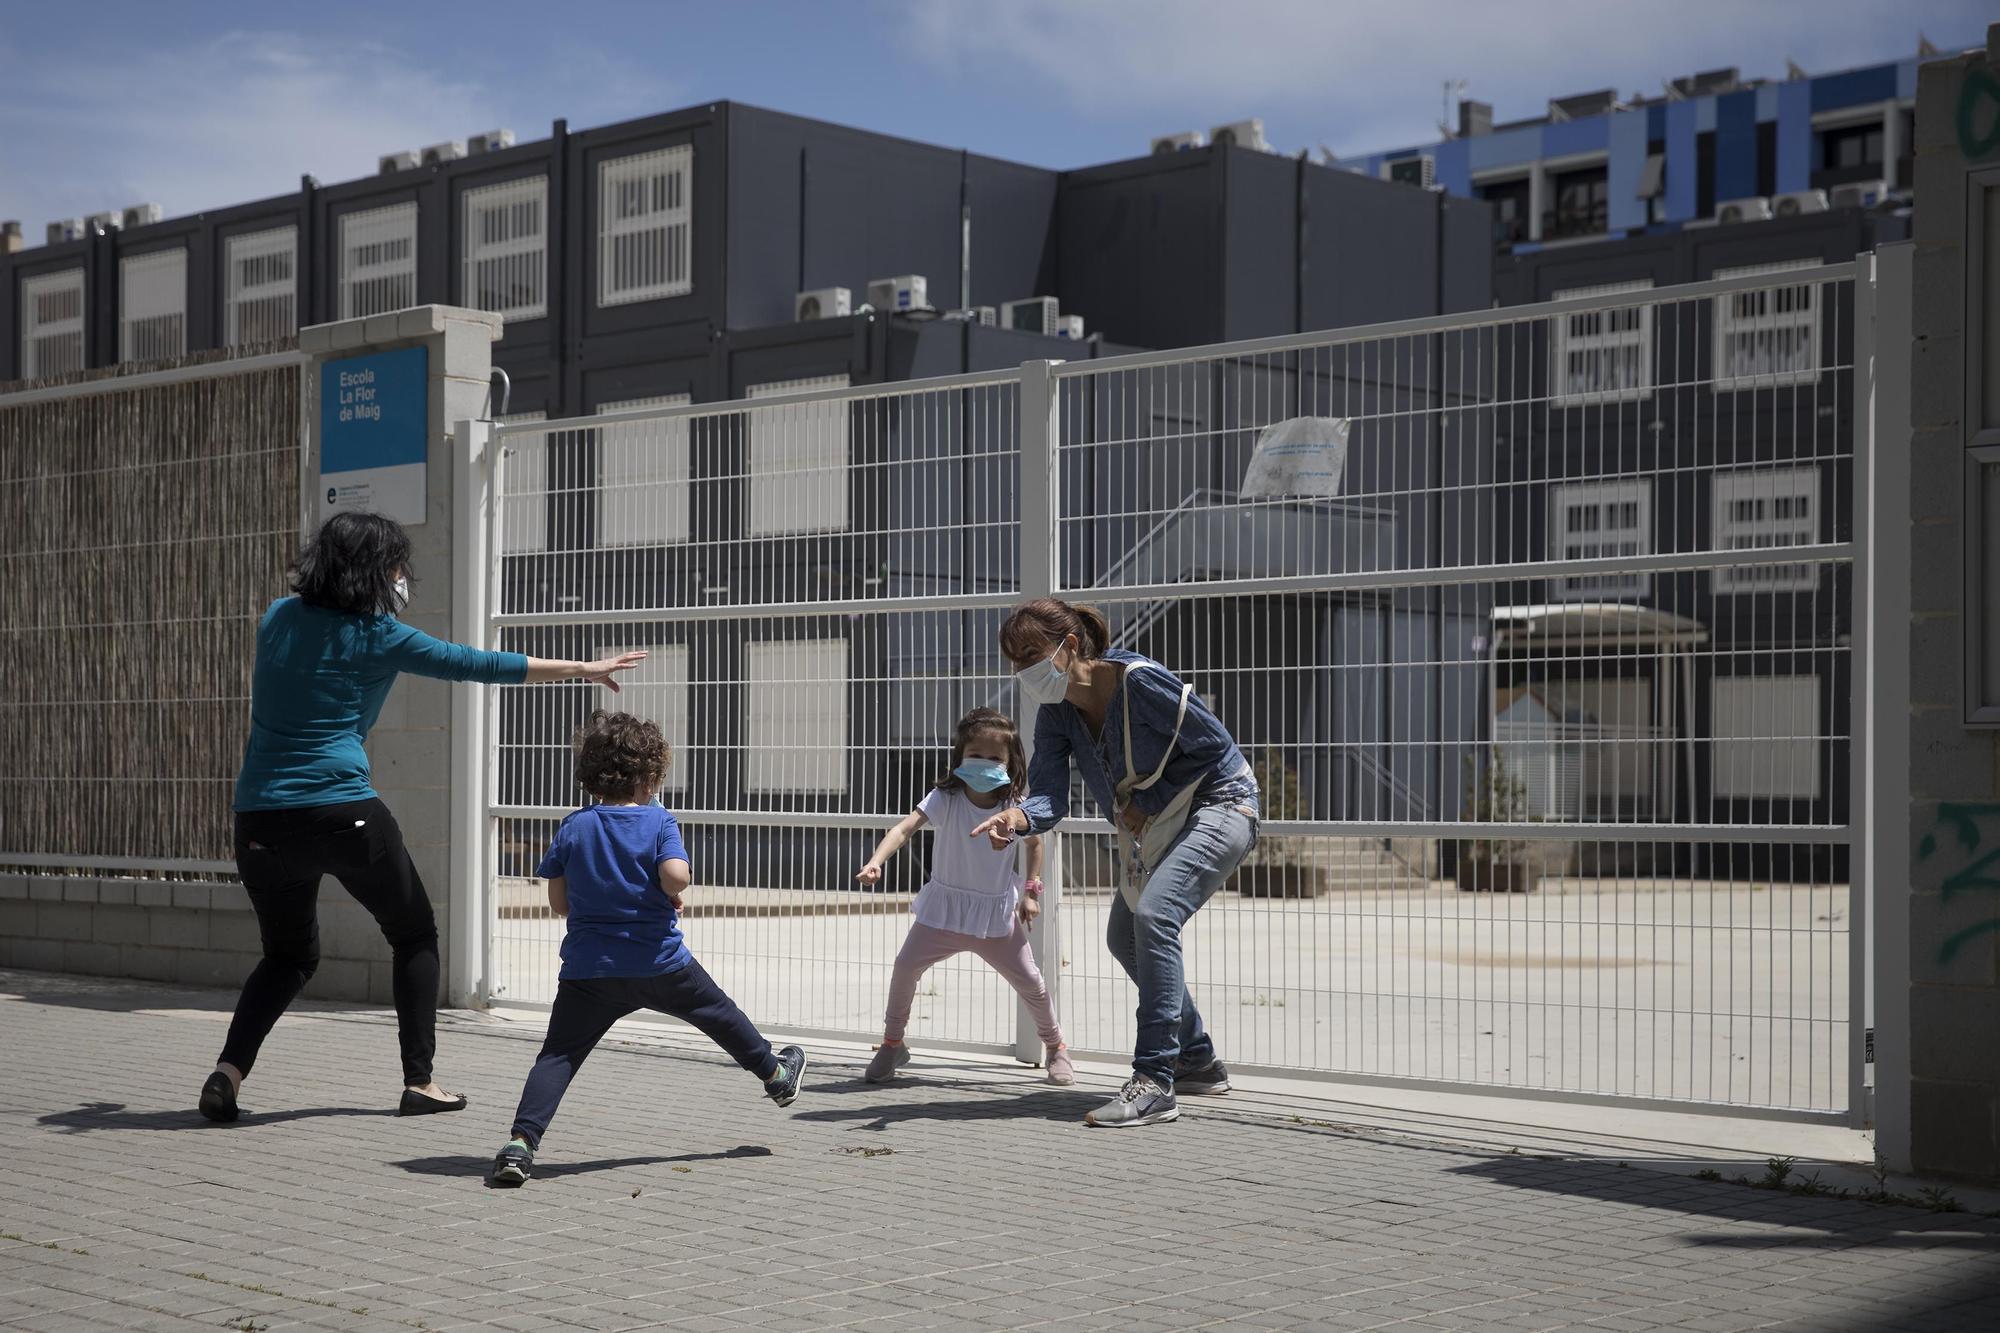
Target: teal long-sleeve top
{"x":319,"y":683}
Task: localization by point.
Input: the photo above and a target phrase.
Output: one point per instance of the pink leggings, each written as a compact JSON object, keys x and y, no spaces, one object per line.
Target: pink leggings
{"x":1008,"y":955}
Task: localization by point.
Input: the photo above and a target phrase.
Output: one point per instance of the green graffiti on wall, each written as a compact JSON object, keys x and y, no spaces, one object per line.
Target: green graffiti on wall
{"x":1981,"y":91}
{"x":1963,"y":819}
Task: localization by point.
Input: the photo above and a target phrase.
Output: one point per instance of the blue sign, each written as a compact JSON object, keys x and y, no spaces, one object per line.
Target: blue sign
{"x":374,"y":434}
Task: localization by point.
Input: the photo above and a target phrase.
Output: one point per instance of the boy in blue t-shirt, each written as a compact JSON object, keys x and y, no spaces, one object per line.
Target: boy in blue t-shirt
{"x":617,"y":870}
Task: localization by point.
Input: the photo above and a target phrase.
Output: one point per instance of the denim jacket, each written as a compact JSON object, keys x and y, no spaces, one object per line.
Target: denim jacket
{"x":1205,"y":756}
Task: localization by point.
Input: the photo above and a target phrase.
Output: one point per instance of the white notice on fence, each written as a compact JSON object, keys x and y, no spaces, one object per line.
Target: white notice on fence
{"x":1302,"y":456}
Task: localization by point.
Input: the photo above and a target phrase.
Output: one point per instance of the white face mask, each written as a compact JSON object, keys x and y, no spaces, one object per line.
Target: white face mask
{"x":1044,"y":683}
{"x":401,"y":594}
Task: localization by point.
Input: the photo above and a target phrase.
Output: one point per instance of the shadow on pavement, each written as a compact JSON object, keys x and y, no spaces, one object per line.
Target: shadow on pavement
{"x":461,"y":1165}
{"x":1067,"y":1106}
{"x":113,"y":1115}
{"x":1811,"y":1221}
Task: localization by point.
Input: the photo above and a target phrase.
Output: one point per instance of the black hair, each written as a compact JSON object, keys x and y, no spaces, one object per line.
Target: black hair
{"x":997,"y":722}
{"x":350,"y":565}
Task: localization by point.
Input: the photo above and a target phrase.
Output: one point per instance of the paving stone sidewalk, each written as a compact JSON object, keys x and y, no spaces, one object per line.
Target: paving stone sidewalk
{"x":671,"y":1194}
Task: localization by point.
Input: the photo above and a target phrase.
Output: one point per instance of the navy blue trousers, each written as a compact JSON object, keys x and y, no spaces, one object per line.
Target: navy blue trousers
{"x":585,"y":1010}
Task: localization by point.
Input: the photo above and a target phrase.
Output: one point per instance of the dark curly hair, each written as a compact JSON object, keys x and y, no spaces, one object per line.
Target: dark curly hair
{"x":350,"y":565}
{"x":620,"y":757}
{"x":999,"y":724}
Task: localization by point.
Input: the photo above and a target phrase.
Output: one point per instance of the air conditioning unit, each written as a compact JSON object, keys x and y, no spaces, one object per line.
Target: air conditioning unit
{"x":10,"y":237}
{"x":1797,"y":202}
{"x":1240,"y":134}
{"x":984,"y":315}
{"x":449,"y":151}
{"x":103,"y":222}
{"x":1070,"y":326}
{"x":1755,"y":209}
{"x":1420,"y":171}
{"x":1859,"y":194}
{"x":1036,"y":314}
{"x":1168,"y":144}
{"x":490,"y":142}
{"x":390,"y":163}
{"x":823,"y":303}
{"x":904,"y":293}
{"x":141,"y":215}
{"x":66,"y":229}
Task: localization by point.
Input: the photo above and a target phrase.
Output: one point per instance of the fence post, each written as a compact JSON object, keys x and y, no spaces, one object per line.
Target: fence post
{"x":1040,"y":543}
{"x":471,"y":484}
{"x":1882,"y":576}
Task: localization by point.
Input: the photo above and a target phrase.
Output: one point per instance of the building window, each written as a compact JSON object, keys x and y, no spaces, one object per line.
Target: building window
{"x":1596,"y":520}
{"x":260,"y":295}
{"x":506,"y":248}
{"x":378,"y":261}
{"x":642,"y":476}
{"x":1582,"y":204}
{"x":657,"y":689}
{"x":795,"y":737}
{"x":1767,"y":336}
{"x":645,"y":226}
{"x":152,"y":305}
{"x":1511,"y":207}
{"x":1851,"y":146}
{"x":1758,"y":511}
{"x":798,"y":460}
{"x":1766,"y":731}
{"x":524,"y":505}
{"x":1601,"y":356}
{"x":52,"y":324}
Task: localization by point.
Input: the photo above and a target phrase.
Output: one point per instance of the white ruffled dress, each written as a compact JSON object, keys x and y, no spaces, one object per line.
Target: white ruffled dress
{"x":974,"y":887}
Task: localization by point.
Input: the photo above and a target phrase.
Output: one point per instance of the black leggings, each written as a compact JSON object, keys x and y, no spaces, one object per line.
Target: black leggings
{"x":281,"y":855}
{"x":585,"y":1010}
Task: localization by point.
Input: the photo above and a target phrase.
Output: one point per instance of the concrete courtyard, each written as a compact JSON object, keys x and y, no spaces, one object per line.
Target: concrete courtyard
{"x":672,"y":1195}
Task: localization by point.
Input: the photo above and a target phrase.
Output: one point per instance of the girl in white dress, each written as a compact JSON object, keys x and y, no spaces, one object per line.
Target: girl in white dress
{"x":975,"y":900}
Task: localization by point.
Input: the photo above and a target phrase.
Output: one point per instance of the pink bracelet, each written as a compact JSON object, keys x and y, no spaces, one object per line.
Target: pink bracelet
{"x":1033,"y":888}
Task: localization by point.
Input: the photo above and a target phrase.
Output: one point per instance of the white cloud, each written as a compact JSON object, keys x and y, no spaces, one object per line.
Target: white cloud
{"x":243,"y":115}
{"x":1370,"y":75}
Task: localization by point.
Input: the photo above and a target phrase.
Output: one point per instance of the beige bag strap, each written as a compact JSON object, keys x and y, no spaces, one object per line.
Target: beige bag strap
{"x":1132,"y":783}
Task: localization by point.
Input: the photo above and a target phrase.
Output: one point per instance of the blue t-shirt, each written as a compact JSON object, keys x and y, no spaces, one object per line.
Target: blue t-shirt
{"x":620,"y":922}
{"x":318,"y":686}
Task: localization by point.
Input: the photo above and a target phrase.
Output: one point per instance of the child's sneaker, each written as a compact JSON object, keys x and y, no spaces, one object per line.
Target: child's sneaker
{"x":784,"y":1089}
{"x":514,"y":1164}
{"x":888,"y":1059}
{"x":1055,"y":1060}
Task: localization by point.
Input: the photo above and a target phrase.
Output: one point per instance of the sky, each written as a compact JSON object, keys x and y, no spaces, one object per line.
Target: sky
{"x":196,"y":106}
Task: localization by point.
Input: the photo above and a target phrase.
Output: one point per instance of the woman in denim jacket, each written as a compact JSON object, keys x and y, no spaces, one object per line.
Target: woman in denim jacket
{"x":1082,"y":690}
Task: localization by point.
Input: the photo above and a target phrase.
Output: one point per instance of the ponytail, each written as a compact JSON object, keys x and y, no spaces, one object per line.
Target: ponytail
{"x":1049,"y":620}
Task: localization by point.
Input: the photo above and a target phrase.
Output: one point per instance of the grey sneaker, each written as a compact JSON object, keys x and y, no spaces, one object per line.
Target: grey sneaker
{"x":888,"y":1059}
{"x":1140,"y":1102}
{"x":1209,"y":1080}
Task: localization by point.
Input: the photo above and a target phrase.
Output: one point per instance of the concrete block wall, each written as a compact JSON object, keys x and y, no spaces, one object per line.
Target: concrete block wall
{"x":193,"y":934}
{"x":1954,"y":771}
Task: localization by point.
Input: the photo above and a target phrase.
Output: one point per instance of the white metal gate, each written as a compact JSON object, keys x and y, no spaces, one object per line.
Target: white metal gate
{"x":1621,"y":527}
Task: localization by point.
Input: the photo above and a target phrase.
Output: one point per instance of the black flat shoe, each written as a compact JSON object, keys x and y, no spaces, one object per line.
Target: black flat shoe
{"x":416,"y":1103}
{"x":218,"y":1098}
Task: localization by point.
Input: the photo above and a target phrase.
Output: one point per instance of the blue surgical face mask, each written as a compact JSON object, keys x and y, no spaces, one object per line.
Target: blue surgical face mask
{"x":982,"y":775}
{"x":399,"y":593}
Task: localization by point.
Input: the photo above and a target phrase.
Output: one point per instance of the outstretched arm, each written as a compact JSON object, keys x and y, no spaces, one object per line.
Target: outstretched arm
{"x":892,"y":842}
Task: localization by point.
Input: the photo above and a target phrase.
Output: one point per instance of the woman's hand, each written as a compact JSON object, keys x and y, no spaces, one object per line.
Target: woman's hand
{"x":1001,"y":828}
{"x":604,"y":670}
{"x":870,"y":874}
{"x":1030,"y":909}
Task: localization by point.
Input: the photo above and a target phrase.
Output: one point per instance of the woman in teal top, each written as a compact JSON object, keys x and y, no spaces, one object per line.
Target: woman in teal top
{"x":326,"y":658}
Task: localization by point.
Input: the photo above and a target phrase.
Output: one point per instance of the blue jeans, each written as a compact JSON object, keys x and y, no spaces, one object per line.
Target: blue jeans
{"x":1147,"y":943}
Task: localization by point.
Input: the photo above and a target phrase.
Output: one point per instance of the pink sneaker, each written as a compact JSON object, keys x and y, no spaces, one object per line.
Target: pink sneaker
{"x":1055,"y":1059}
{"x":888,"y":1059}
